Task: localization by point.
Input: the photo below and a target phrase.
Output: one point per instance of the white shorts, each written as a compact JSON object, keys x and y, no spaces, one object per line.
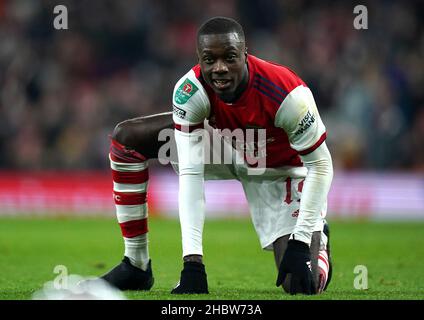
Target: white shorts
{"x":273,"y":197}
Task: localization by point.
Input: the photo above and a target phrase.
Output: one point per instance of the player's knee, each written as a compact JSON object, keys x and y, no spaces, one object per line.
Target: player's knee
{"x":137,"y":134}
{"x":141,"y":134}
{"x":124,"y":133}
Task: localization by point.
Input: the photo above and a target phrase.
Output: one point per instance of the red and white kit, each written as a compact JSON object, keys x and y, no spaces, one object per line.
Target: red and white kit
{"x":290,"y":195}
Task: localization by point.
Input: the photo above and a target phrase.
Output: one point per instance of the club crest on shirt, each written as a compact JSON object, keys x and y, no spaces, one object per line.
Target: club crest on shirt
{"x":305,"y":123}
{"x":185,"y":91}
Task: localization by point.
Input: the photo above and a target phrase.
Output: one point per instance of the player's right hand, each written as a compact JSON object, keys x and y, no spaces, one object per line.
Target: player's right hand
{"x":296,"y":265}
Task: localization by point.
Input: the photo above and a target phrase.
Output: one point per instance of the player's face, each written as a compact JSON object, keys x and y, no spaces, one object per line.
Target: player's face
{"x":222,"y":59}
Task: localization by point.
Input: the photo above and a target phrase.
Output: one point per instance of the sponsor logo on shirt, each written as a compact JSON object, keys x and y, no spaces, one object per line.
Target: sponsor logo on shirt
{"x":180,"y":113}
{"x":185,"y":91}
{"x":306,"y":122}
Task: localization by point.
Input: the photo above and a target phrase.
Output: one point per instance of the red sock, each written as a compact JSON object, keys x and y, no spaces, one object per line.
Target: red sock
{"x":323,"y":268}
{"x":130,"y":177}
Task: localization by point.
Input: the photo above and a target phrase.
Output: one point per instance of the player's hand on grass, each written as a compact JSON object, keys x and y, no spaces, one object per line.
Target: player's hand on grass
{"x":295,"y":269}
{"x":193,"y":279}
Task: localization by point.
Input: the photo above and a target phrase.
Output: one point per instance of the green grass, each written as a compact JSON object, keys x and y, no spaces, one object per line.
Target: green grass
{"x":236,"y":265}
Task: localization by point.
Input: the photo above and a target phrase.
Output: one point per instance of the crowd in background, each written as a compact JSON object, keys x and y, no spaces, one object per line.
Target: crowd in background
{"x":63,"y":91}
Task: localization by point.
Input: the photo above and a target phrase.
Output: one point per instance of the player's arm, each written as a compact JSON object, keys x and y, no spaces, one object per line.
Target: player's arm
{"x":299,"y":117}
{"x":191,"y":107}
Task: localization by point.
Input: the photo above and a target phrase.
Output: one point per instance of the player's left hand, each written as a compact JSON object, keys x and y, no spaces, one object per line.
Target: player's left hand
{"x":296,"y":263}
{"x":193,"y":279}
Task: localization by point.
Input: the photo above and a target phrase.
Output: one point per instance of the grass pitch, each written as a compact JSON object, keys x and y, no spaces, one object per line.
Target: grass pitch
{"x":237,"y":267}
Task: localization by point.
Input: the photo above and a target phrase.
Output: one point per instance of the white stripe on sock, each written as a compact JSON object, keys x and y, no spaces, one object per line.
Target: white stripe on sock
{"x":128,"y":167}
{"x":126,"y":213}
{"x":130,"y":187}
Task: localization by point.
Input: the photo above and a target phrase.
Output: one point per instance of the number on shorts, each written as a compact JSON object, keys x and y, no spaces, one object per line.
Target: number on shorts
{"x":288,"y":198}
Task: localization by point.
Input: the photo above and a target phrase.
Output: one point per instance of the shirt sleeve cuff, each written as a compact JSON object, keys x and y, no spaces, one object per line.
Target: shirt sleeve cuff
{"x":315,"y":146}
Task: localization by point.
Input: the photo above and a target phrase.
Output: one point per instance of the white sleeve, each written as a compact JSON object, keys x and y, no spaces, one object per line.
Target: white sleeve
{"x":191,"y":201}
{"x":191,"y":107}
{"x":315,"y":190}
{"x":298,"y":116}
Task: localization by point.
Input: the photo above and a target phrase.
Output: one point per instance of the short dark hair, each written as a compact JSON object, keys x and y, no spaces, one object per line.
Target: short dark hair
{"x":220,"y":25}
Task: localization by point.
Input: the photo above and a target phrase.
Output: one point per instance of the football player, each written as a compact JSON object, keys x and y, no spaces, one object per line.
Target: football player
{"x":283,"y":164}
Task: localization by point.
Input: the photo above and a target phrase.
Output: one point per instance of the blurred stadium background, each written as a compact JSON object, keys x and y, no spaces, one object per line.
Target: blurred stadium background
{"x":63,"y":91}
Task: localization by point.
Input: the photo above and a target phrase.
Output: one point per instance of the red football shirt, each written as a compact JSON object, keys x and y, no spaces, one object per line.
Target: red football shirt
{"x":271,"y":89}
